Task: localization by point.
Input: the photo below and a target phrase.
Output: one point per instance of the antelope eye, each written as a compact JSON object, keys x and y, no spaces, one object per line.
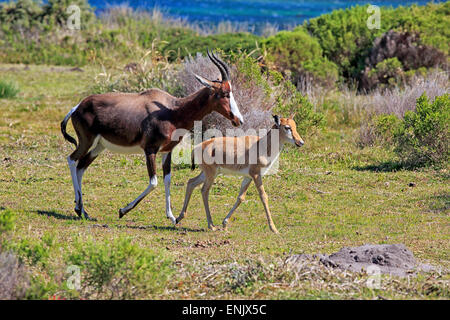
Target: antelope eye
{"x":287,"y":128}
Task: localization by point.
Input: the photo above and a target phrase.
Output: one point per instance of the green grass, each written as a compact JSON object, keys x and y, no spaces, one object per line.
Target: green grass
{"x":327,"y":195}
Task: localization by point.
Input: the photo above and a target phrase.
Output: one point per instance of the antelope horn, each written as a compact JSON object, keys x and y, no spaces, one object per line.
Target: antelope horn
{"x":220,"y":65}
{"x":224,"y":65}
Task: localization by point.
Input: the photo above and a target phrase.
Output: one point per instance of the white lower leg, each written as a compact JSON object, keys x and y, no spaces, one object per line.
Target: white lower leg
{"x":169,"y":214}
{"x":73,"y":172}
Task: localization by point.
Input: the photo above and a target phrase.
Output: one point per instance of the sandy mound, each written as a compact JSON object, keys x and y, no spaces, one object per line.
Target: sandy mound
{"x":393,"y":259}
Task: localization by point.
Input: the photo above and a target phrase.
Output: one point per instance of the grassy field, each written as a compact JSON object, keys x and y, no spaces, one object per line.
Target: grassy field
{"x":326,"y":195}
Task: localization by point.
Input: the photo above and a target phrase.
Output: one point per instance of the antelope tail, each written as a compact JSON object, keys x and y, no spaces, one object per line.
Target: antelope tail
{"x":64,"y":124}
{"x":192,"y":160}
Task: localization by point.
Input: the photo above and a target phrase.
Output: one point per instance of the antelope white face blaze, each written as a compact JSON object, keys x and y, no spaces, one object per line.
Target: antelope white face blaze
{"x":234,"y":107}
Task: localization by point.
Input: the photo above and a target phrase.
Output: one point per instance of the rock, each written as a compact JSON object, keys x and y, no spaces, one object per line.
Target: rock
{"x":393,"y":259}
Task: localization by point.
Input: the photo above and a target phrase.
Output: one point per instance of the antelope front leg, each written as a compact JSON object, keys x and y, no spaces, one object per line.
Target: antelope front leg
{"x":151,"y":168}
{"x":167,"y":177}
{"x":241,"y":197}
{"x":264,"y":199}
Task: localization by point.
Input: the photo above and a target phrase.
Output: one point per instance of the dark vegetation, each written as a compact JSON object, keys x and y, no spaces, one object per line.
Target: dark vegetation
{"x":333,"y":48}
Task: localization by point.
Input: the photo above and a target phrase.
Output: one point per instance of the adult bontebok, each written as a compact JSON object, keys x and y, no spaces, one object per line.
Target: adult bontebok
{"x":143,"y":122}
{"x":249,"y":156}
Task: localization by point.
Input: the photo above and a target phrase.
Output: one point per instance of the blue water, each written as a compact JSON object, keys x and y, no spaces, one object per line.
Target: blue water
{"x":283,"y":13}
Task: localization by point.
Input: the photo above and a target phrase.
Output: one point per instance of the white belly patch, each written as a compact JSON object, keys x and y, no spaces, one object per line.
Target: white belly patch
{"x":225,"y":171}
{"x":120,"y":149}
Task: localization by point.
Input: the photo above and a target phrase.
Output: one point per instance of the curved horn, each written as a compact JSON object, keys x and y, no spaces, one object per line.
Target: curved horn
{"x":222,"y":70}
{"x":224,"y":65}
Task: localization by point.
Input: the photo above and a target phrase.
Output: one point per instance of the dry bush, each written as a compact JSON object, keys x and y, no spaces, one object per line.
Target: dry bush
{"x":395,"y":53}
{"x":399,"y":100}
{"x":255,"y":105}
{"x":151,"y":71}
{"x":13,"y":277}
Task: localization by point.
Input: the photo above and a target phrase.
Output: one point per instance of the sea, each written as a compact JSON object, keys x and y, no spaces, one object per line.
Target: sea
{"x":282,"y":14}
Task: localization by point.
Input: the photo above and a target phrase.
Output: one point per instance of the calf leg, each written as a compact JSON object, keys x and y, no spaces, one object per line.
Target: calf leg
{"x":191,"y":185}
{"x":241,"y":197}
{"x":150,"y":155}
{"x":262,"y":194}
{"x":205,"y":194}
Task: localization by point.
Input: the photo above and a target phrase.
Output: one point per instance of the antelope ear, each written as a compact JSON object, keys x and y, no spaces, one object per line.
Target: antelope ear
{"x":277,"y":120}
{"x":203,"y":81}
{"x":293,"y":115}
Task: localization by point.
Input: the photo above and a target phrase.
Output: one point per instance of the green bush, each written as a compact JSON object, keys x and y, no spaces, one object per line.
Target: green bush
{"x":8,"y":89}
{"x":384,"y":127}
{"x":32,"y":251}
{"x":119,"y":269}
{"x":346,"y":40}
{"x":7,"y":220}
{"x":300,"y":53}
{"x":423,"y":136}
{"x":29,"y":16}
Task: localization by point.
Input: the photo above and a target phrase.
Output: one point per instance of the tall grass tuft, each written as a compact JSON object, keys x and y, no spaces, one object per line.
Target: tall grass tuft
{"x":8,"y":89}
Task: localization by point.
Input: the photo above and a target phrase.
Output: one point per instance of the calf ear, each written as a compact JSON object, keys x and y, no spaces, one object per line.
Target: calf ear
{"x":277,"y":120}
{"x":203,"y":81}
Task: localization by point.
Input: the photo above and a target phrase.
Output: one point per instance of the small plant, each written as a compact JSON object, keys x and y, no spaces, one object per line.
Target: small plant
{"x":7,"y":220}
{"x":8,"y":89}
{"x":423,"y":136}
{"x":119,"y":269}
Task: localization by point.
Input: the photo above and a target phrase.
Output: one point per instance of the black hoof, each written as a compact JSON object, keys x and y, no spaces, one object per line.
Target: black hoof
{"x":121,"y":213}
{"x":78,"y":212}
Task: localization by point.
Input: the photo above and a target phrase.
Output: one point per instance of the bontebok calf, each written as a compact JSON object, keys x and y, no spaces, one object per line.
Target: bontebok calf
{"x":249,"y":156}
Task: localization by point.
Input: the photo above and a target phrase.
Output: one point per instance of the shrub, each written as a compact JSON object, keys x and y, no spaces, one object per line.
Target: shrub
{"x":28,"y":16}
{"x":119,"y":269}
{"x":8,"y":89}
{"x":380,"y":130}
{"x":346,"y":40}
{"x":7,"y":220}
{"x":34,"y":252}
{"x":423,"y":136}
{"x":151,"y":71}
{"x":394,"y":54}
{"x":395,"y":101}
{"x":301,"y":54}
{"x":257,"y":94}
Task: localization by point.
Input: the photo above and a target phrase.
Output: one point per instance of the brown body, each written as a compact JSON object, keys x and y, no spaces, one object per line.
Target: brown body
{"x":248,"y":156}
{"x":142,"y":123}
